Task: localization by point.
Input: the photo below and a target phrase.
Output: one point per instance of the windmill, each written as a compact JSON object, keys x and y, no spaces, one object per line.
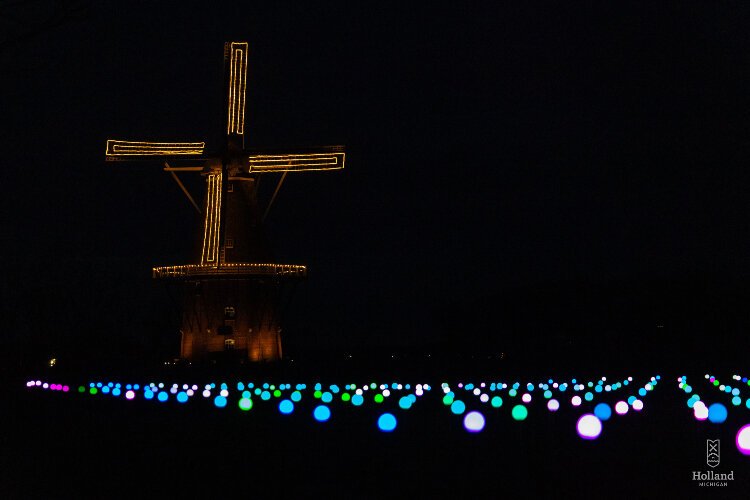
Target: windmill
{"x":234,"y":294}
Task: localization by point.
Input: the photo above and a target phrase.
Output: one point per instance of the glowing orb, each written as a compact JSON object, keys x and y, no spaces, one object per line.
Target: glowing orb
{"x":322,"y":413}
{"x":386,"y":422}
{"x":286,"y":407}
{"x":526,"y":398}
{"x":497,"y":402}
{"x":474,"y":421}
{"x":603,"y":411}
{"x":245,"y":404}
{"x":576,"y":401}
{"x":717,"y":413}
{"x":621,"y":407}
{"x":327,"y":397}
{"x":220,"y":401}
{"x":519,"y":412}
{"x":378,"y":398}
{"x":162,"y":396}
{"x":130,"y":395}
{"x":357,"y":400}
{"x":458,"y":407}
{"x":553,"y":405}
{"x":182,"y":397}
{"x":589,"y":426}
{"x":743,"y":440}
{"x":404,"y":403}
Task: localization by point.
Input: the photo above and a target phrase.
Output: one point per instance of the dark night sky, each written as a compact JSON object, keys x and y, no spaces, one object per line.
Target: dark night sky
{"x":550,"y":171}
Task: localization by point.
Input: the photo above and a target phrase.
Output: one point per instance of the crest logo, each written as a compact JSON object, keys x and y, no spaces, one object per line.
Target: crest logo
{"x":713,"y":452}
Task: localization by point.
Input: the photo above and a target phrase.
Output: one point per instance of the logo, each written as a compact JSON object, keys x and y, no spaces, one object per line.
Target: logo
{"x":713,"y":456}
{"x":710,"y":478}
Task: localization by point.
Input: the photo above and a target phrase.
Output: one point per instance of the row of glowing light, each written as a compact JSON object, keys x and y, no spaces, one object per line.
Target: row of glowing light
{"x":589,"y":426}
{"x":716,"y":413}
{"x":229,"y":267}
{"x":213,"y":219}
{"x":728,"y":389}
{"x":473,"y":421}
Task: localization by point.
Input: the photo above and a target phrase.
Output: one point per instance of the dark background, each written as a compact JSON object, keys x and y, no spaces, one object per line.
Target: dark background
{"x":552,"y":181}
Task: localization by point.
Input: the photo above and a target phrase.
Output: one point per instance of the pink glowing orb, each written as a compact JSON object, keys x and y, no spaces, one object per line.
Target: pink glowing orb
{"x":526,"y":398}
{"x":553,"y":405}
{"x":66,"y":388}
{"x":637,"y":405}
{"x":743,"y":439}
{"x":129,"y":395}
{"x":621,"y":407}
{"x":589,"y":426}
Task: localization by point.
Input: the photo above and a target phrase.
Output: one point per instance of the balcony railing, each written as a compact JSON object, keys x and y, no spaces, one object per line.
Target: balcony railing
{"x":231,"y":269}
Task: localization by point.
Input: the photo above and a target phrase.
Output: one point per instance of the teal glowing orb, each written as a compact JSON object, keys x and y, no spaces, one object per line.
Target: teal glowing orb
{"x":387,"y":422}
{"x":322,"y":413}
{"x":286,"y":407}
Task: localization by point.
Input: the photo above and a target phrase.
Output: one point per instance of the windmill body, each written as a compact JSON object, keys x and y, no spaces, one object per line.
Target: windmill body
{"x":234,"y":294}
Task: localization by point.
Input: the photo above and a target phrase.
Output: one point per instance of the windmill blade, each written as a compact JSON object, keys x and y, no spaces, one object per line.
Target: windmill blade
{"x":321,"y":158}
{"x":142,"y":150}
{"x":237,"y":78}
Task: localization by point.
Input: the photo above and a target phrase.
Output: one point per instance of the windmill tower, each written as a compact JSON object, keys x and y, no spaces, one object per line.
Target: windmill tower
{"x":234,"y":292}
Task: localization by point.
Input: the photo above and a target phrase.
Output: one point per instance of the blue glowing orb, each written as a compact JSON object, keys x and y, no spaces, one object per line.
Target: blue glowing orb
{"x":386,"y":422}
{"x":458,"y":407}
{"x":603,"y":411}
{"x":220,"y":401}
{"x":322,"y":413}
{"x":717,"y":413}
{"x":286,"y":407}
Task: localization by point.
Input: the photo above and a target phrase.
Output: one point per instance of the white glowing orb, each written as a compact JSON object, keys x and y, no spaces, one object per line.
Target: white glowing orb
{"x":700,"y":410}
{"x":576,"y":401}
{"x":621,"y":407}
{"x":589,"y":426}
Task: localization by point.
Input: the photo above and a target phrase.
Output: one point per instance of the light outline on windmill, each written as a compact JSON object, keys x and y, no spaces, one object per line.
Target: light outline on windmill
{"x":237,"y":83}
{"x":117,"y":148}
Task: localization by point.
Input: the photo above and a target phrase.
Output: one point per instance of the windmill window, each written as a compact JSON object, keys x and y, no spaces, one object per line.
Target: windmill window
{"x":229,"y":312}
{"x":229,"y":243}
{"x":229,"y":344}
